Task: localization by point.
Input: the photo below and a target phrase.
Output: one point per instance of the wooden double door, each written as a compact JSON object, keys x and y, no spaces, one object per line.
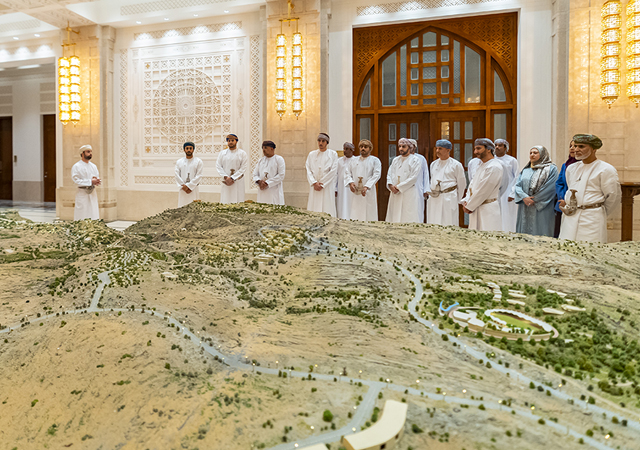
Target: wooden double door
{"x":459,"y":127}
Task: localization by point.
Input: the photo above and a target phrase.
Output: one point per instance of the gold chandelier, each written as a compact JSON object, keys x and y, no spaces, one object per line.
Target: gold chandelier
{"x":297,"y":81}
{"x":610,"y":51}
{"x":633,"y":51}
{"x":69,"y":84}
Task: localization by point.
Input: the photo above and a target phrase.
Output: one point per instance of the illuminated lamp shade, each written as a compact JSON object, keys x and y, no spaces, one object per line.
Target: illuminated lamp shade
{"x":281,"y":75}
{"x":296,"y":72}
{"x":610,"y":51}
{"x":69,"y":89}
{"x":633,"y":51}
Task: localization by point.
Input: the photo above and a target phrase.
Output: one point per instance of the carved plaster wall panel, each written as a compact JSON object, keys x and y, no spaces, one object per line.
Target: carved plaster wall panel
{"x":173,"y":93}
{"x":160,"y":179}
{"x":188,"y":31}
{"x":21,"y":25}
{"x":395,"y":7}
{"x":186,"y":99}
{"x":256,"y":102}
{"x":163,"y":5}
{"x":124,"y":121}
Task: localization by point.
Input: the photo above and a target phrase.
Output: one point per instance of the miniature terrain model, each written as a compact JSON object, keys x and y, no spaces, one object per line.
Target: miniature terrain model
{"x":266,"y":327}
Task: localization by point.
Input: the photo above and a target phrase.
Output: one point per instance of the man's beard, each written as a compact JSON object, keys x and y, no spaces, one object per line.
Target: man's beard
{"x":580,"y":158}
{"x":87,"y":157}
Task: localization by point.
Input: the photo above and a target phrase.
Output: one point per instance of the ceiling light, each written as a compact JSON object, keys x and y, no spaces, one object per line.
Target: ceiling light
{"x":15,"y":38}
{"x":138,"y":22}
{"x":166,"y":18}
{"x":31,"y":66}
{"x":195,"y":15}
{"x":36,"y":35}
{"x":226,"y":11}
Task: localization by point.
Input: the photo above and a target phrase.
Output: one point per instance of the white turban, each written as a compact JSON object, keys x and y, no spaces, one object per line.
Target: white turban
{"x":85,"y":147}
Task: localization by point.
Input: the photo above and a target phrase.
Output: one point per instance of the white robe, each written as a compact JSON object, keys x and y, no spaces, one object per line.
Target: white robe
{"x":343,"y":199}
{"x":369,"y":169}
{"x":86,"y":199}
{"x":443,"y":209}
{"x":485,"y":185}
{"x":509,"y":209}
{"x":271,"y":170}
{"x":322,"y":167}
{"x":423,"y":183}
{"x":596,"y":182}
{"x":403,"y":174}
{"x":189,"y":172}
{"x":238,"y":161}
{"x":472,"y":167}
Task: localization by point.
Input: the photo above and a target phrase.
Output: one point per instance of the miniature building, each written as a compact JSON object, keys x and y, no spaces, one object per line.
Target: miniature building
{"x":384,"y":434}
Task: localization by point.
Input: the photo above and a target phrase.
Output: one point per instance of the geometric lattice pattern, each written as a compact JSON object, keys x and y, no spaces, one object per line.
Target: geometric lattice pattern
{"x":163,"y":179}
{"x":188,"y":31}
{"x":161,"y":5}
{"x":389,"y":8}
{"x":21,"y":25}
{"x":186,"y":106}
{"x":256,"y":103}
{"x":124,"y":118}
{"x":186,"y":99}
{"x":371,"y":43}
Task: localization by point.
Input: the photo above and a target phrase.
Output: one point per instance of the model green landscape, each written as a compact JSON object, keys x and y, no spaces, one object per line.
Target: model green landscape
{"x":253,"y":326}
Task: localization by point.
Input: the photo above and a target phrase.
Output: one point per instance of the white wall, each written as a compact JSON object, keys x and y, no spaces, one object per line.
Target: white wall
{"x":534,"y":62}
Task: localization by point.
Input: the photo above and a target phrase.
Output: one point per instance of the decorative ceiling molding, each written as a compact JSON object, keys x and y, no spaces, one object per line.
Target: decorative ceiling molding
{"x":396,"y":7}
{"x":22,"y":25}
{"x":163,"y":5}
{"x":188,"y":31}
{"x":52,"y":12}
{"x":60,"y":17}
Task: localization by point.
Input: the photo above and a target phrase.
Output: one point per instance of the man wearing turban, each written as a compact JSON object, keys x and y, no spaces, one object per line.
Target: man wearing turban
{"x":481,"y":201}
{"x":596,"y":189}
{"x":322,"y":170}
{"x":402,"y":179}
{"x":343,"y":194}
{"x":508,"y":207}
{"x":423,"y":184}
{"x":362,"y":176}
{"x":85,"y":175}
{"x":232,"y":165}
{"x":188,"y":175}
{"x":269,"y":175}
{"x":447,"y":187}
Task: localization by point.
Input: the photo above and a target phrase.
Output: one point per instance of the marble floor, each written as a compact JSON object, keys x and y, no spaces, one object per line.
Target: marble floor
{"x":46,"y":212}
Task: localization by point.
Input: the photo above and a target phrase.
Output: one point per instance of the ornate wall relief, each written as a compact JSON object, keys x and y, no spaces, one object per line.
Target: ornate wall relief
{"x":193,"y":91}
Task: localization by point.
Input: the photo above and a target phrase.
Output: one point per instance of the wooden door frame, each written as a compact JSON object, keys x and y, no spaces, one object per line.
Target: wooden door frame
{"x":499,"y":50}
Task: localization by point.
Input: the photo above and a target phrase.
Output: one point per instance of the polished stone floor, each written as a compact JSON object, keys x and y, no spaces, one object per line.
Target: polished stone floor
{"x":46,"y":212}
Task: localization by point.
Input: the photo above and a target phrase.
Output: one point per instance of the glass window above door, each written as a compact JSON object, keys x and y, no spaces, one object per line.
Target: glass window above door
{"x":450,"y":70}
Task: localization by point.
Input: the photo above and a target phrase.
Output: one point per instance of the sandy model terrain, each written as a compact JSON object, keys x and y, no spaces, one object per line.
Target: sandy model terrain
{"x":216,"y":326}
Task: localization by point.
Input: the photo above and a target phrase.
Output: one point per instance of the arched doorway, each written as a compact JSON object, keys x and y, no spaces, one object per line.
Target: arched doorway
{"x":449,"y":79}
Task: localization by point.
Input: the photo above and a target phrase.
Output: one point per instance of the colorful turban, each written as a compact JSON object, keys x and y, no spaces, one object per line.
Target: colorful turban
{"x":589,"y":139}
{"x":324,"y":136}
{"x":269,"y":144}
{"x":187,"y":144}
{"x":486,"y":142}
{"x":231,"y":134}
{"x":406,"y":142}
{"x":444,"y":144}
{"x":349,"y":145}
{"x":366,"y":143}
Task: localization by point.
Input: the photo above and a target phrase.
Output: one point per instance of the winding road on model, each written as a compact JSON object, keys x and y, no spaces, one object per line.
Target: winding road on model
{"x":365,"y":408}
